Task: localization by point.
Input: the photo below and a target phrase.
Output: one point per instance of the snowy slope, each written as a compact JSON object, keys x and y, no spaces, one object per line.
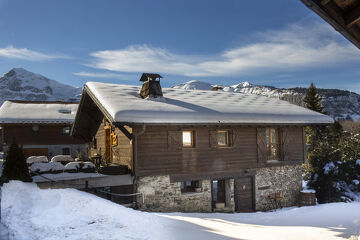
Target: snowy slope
{"x":337,"y":103}
{"x":20,"y":84}
{"x":31,"y":213}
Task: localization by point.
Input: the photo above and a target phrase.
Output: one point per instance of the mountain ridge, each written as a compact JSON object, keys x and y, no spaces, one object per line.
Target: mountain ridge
{"x":20,"y":84}
{"x":340,"y":104}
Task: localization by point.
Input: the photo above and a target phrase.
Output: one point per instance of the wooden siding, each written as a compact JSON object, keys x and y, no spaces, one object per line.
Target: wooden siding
{"x":121,"y":153}
{"x":48,"y":134}
{"x":159,"y":155}
{"x":160,"y":151}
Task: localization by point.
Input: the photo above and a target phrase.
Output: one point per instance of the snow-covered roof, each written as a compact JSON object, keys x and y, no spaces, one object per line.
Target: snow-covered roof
{"x":123,"y":103}
{"x":37,"y":112}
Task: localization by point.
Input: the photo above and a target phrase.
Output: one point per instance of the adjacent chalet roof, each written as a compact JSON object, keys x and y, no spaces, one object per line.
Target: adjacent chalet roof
{"x":123,"y":104}
{"x":343,"y":15}
{"x":38,"y":112}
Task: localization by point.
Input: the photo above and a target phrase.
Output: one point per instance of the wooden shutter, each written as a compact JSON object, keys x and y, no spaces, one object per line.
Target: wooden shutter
{"x":213,"y":139}
{"x":174,"y":140}
{"x":285,"y":141}
{"x":261,"y":144}
{"x":235,"y":138}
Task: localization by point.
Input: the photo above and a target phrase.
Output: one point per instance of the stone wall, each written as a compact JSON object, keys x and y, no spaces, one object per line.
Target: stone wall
{"x":277,"y":187}
{"x":161,"y":195}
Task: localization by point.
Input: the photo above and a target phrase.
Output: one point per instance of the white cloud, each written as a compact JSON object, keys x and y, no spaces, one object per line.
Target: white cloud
{"x":104,"y":75}
{"x":296,"y":47}
{"x":26,"y":54}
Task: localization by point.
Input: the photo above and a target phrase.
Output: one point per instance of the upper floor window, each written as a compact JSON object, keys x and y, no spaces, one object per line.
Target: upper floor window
{"x":188,"y":138}
{"x":272,"y":143}
{"x":66,"y":130}
{"x":223,"y":138}
{"x":35,"y":128}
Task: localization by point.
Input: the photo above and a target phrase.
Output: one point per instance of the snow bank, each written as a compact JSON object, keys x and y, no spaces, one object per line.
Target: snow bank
{"x":46,"y":167}
{"x":62,"y":158}
{"x":88,"y":165}
{"x":35,"y":159}
{"x":57,"y":214}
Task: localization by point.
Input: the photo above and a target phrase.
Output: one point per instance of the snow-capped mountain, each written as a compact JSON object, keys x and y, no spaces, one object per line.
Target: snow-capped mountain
{"x":20,"y":84}
{"x":337,"y":103}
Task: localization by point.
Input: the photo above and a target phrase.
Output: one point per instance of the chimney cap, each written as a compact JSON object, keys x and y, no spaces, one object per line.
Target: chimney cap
{"x":146,"y":76}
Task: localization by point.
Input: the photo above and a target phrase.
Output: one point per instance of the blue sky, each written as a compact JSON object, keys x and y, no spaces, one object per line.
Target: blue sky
{"x":280,"y":43}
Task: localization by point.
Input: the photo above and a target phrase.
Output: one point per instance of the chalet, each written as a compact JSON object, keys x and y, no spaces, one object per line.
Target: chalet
{"x":42,"y":128}
{"x":198,"y":151}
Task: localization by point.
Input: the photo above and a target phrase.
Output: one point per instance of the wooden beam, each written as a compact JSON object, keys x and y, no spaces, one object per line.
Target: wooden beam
{"x":324,"y":2}
{"x":352,"y":17}
{"x":124,"y":131}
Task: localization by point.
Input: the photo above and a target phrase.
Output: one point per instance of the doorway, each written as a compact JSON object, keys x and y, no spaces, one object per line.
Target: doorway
{"x":244,"y":194}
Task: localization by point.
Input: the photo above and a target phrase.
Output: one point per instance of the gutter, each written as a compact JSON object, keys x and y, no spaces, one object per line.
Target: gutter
{"x":135,"y":160}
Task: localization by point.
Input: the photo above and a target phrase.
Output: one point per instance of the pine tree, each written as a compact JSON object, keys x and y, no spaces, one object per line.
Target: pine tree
{"x":15,"y":167}
{"x":313,"y":100}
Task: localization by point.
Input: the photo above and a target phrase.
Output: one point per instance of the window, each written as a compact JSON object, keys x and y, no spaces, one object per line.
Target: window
{"x":190,"y":186}
{"x":272,"y":143}
{"x":223,"y":138}
{"x":66,"y":130}
{"x":66,"y":151}
{"x":188,"y":138}
{"x":35,"y":128}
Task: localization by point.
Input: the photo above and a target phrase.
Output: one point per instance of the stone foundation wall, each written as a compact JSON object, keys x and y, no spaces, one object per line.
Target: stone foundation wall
{"x":161,"y":195}
{"x":277,"y":187}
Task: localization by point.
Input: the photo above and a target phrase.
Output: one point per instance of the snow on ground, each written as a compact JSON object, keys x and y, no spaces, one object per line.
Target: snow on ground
{"x":31,"y":213}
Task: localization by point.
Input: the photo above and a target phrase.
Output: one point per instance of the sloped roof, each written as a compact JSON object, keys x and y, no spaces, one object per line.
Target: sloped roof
{"x":38,"y":112}
{"x":123,"y":104}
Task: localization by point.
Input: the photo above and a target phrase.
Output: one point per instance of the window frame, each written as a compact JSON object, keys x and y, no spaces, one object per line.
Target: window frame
{"x":192,"y":145}
{"x":65,"y":148}
{"x":63,"y":131}
{"x":34,"y":126}
{"x":271,"y":145}
{"x":227,"y":138}
{"x":194,"y":184}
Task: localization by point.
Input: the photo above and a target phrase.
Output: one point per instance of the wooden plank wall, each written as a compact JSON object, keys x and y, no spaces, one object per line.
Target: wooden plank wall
{"x":48,"y":134}
{"x":121,"y":153}
{"x":160,"y":151}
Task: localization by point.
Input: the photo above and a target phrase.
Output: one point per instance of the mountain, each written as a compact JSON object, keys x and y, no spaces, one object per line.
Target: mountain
{"x":20,"y":84}
{"x":337,"y":103}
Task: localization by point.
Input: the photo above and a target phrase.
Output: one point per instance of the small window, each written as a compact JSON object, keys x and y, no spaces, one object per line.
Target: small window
{"x":190,"y":186}
{"x":35,"y":128}
{"x":66,"y":130}
{"x":188,"y":138}
{"x":273,"y":144}
{"x":66,"y":151}
{"x":223,"y":138}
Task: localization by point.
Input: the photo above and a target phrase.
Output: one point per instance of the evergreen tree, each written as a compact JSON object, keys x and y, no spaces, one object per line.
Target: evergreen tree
{"x":15,"y":167}
{"x":313,"y":100}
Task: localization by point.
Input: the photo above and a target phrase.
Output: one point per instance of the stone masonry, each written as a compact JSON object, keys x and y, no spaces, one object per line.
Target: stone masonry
{"x":161,"y":195}
{"x":277,"y":187}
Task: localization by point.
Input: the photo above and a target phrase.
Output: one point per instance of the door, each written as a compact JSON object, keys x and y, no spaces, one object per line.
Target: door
{"x":244,"y":194}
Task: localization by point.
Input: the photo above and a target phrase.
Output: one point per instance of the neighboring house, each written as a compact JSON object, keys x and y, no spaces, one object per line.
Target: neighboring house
{"x":343,"y":15}
{"x":41,"y":128}
{"x":198,"y":151}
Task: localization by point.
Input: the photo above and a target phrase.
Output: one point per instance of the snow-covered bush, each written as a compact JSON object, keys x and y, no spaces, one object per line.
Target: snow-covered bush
{"x":49,"y":167}
{"x":72,"y":167}
{"x":34,"y":159}
{"x":62,"y":158}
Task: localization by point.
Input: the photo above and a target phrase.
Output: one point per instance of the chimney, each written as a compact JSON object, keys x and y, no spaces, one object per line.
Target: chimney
{"x":151,"y":85}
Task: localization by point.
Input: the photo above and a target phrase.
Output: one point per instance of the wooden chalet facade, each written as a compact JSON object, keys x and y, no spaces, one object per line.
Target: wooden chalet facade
{"x":41,"y":128}
{"x":199,"y":151}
